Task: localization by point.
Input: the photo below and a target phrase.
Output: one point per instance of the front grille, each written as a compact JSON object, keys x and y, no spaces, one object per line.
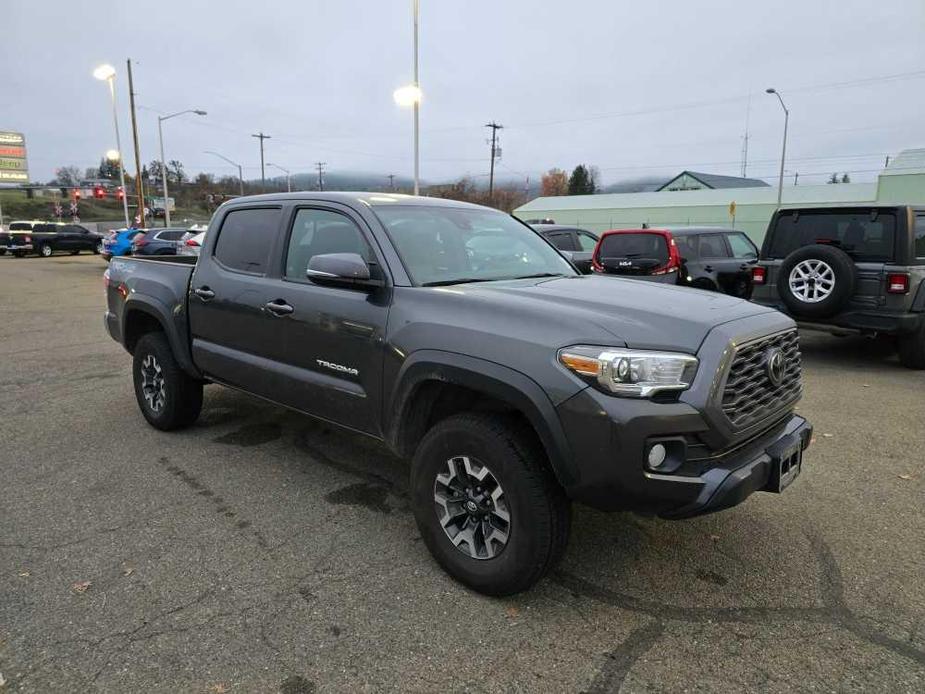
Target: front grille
{"x":749,"y":395}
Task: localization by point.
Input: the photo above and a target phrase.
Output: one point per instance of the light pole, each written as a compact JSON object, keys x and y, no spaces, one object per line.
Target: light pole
{"x":233,"y":163}
{"x":107,"y":73}
{"x":160,"y":137}
{"x":410,"y":95}
{"x":288,"y":175}
{"x":783,"y":151}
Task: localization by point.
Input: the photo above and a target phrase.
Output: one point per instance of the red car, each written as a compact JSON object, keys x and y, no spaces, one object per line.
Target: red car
{"x":713,"y":258}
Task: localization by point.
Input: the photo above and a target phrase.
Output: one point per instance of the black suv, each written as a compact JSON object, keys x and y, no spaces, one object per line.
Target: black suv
{"x":849,"y":269}
{"x":44,"y":238}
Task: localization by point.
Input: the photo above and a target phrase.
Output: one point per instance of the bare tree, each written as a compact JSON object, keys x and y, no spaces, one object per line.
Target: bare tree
{"x":554,"y":182}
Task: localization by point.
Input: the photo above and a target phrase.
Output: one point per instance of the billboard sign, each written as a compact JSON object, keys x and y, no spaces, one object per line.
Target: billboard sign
{"x":13,"y":166}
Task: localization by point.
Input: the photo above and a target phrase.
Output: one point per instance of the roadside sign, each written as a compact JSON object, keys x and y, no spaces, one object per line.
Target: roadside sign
{"x":13,"y":164}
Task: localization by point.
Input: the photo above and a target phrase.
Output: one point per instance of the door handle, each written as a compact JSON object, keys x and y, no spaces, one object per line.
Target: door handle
{"x":204,"y":293}
{"x":278,"y":308}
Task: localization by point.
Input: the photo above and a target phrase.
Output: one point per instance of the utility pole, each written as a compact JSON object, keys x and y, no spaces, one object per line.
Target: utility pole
{"x":887,"y":161}
{"x":391,"y":178}
{"x":320,"y":166}
{"x":263,"y":175}
{"x":495,"y":127}
{"x":796,"y":177}
{"x":139,"y":186}
{"x":748,"y":113}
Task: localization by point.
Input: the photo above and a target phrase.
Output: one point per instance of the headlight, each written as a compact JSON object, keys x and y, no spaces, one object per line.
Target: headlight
{"x":631,"y":373}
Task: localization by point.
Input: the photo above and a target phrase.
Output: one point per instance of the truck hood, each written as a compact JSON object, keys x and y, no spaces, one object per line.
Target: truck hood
{"x":638,"y":313}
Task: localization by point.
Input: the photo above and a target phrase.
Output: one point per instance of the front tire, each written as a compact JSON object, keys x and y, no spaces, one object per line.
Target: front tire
{"x":168,"y":398}
{"x":486,"y":503}
{"x":912,"y":348}
{"x":98,"y":248}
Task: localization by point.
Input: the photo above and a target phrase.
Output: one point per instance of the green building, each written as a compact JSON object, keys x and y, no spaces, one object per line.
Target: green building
{"x":902,"y":182}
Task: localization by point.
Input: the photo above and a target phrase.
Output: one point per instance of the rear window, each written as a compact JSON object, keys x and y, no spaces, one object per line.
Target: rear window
{"x":21,"y":226}
{"x":634,"y":246}
{"x":173,"y":235}
{"x":920,"y":236}
{"x":245,"y":239}
{"x":862,"y":235}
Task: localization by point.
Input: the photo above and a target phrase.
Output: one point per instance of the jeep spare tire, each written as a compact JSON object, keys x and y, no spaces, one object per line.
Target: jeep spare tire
{"x":816,"y":281}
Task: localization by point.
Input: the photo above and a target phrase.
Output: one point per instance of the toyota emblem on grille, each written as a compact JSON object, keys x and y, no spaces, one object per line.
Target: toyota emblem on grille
{"x":775,"y":363}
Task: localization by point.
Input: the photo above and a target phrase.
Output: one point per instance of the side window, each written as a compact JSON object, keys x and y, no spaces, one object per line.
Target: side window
{"x":245,"y":239}
{"x":170,"y":235}
{"x":586,"y":241}
{"x":317,"y":232}
{"x":920,"y":236}
{"x":741,"y":246}
{"x":713,"y":246}
{"x":561,"y":240}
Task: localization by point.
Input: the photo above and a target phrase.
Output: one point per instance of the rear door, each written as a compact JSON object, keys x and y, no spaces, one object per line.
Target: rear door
{"x":719,"y":266}
{"x":231,"y":340}
{"x":328,"y":349}
{"x":867,"y":235}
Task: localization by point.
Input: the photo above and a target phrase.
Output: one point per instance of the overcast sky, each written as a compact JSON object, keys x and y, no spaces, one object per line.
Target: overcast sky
{"x":635,"y":88}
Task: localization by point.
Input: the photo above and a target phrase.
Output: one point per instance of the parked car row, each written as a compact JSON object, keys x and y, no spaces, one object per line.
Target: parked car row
{"x":148,"y":242}
{"x":46,"y":238}
{"x":845,"y":270}
{"x":712,"y":258}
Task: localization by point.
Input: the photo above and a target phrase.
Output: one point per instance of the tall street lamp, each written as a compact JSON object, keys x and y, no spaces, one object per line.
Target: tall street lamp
{"x":233,"y":163}
{"x":160,"y":136}
{"x":288,"y":175}
{"x":107,"y":73}
{"x":783,"y":151}
{"x":410,"y":95}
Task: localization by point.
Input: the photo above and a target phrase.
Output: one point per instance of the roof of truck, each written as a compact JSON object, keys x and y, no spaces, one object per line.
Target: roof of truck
{"x":372,"y":199}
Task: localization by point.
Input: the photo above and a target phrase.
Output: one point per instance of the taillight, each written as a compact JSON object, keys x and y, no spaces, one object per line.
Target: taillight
{"x":759,"y":275}
{"x":27,"y":239}
{"x":674,"y":259}
{"x":139,"y":241}
{"x":897,"y":283}
{"x":191,"y":242}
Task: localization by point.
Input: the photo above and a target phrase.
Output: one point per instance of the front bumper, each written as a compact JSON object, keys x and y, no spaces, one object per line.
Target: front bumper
{"x":610,"y":437}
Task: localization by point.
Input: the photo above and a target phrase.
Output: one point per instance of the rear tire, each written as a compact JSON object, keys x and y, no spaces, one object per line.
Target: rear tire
{"x":98,"y":248}
{"x":168,"y":397}
{"x":523,"y":548}
{"x":45,"y":250}
{"x":912,"y":348}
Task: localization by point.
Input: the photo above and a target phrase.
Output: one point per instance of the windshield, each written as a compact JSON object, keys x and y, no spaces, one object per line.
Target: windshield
{"x":862,"y":235}
{"x":444,"y":245}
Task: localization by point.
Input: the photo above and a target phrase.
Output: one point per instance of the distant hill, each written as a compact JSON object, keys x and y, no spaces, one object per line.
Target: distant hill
{"x":643,"y":184}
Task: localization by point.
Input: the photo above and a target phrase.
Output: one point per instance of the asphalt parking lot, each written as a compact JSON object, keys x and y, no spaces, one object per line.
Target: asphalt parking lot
{"x":261,"y":551}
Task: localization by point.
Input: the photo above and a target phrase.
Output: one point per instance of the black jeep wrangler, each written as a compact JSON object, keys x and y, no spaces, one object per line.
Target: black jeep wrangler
{"x":849,"y":270}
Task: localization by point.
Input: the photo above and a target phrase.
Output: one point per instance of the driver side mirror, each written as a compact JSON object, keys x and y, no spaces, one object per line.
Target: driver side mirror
{"x":341,"y":269}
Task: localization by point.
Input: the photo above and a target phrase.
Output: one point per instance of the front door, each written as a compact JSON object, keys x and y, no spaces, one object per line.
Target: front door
{"x":329,"y":347}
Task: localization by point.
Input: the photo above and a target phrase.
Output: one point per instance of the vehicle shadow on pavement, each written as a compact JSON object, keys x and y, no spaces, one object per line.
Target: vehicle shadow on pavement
{"x":831,"y":352}
{"x":721,"y":569}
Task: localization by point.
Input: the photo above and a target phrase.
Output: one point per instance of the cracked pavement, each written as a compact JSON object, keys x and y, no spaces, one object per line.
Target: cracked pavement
{"x":262,"y":551}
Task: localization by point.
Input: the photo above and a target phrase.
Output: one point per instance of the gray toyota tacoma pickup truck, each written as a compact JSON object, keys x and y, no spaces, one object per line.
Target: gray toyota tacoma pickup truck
{"x":462,"y":339}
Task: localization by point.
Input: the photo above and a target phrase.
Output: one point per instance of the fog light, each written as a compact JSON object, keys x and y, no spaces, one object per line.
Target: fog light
{"x":657,"y":456}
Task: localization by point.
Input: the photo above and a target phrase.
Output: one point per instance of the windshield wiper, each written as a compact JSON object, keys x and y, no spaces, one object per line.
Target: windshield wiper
{"x":539,"y":274}
{"x":459,"y":280}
